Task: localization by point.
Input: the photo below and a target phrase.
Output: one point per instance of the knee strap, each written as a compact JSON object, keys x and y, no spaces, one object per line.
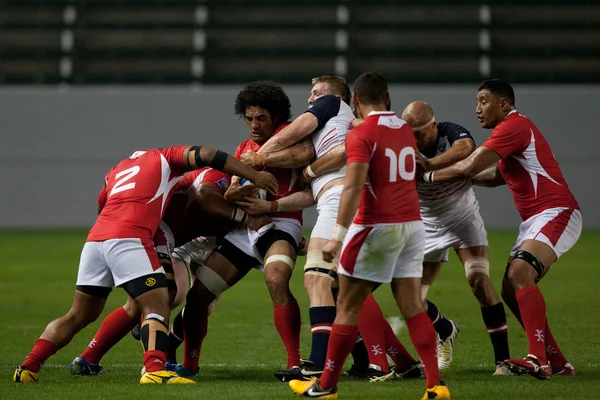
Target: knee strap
{"x":531,"y":260}
{"x":280,"y":258}
{"x":315,"y":265}
{"x":211,"y":280}
{"x":477,"y":265}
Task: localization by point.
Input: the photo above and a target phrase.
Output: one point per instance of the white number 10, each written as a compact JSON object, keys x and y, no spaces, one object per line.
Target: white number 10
{"x":120,"y":186}
{"x":398,"y":164}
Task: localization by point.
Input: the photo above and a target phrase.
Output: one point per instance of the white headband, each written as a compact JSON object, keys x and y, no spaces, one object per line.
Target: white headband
{"x":418,"y":128}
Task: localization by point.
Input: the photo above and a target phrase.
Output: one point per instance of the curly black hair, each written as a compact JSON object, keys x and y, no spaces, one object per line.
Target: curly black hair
{"x":267,"y":95}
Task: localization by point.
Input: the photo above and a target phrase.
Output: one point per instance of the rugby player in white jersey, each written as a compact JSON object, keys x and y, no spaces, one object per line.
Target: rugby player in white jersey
{"x":450,"y":212}
{"x":327,"y":120}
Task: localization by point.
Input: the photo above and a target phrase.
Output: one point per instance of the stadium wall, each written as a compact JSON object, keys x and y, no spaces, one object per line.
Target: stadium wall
{"x":57,"y":143}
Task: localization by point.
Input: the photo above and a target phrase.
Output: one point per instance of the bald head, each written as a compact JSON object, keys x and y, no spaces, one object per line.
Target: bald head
{"x":417,"y":113}
{"x":421,"y":119}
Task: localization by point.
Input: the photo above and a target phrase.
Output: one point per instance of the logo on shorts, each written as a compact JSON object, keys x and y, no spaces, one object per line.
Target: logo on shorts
{"x":150,"y":282}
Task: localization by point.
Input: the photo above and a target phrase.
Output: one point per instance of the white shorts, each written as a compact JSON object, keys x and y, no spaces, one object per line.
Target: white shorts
{"x":384,"y":252}
{"x":114,"y":262}
{"x":327,"y":207}
{"x":558,"y":227}
{"x":438,"y":240}
{"x":246,"y":239}
{"x":196,"y":250}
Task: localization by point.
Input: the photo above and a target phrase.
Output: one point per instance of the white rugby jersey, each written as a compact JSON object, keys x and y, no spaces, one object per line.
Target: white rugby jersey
{"x":446,"y":203}
{"x":335,"y":120}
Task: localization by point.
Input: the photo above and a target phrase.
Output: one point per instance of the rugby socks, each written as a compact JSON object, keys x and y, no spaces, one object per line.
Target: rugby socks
{"x":321,"y":319}
{"x":533,"y":313}
{"x":175,"y":337}
{"x":341,"y":341}
{"x":397,"y":352}
{"x":422,"y":335}
{"x":553,"y":353}
{"x":153,"y":336}
{"x":42,"y":350}
{"x":288,"y":323}
{"x":442,"y":326}
{"x":494,"y":318}
{"x":371,"y":324}
{"x":360,"y":355}
{"x":114,"y":328}
{"x":195,"y":328}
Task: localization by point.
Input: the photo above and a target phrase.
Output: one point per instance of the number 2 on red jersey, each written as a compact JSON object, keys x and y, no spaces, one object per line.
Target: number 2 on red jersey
{"x":127,"y":174}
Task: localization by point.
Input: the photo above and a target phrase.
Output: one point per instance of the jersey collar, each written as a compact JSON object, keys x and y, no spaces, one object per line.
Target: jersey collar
{"x":381,"y":113}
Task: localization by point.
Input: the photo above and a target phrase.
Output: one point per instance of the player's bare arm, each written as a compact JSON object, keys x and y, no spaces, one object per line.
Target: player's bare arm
{"x":294,"y":202}
{"x":237,"y":192}
{"x":356,"y":175}
{"x":459,"y":150}
{"x":200,"y":156}
{"x":300,"y":128}
{"x":489,"y":177}
{"x":333,"y":160}
{"x":296,"y":156}
{"x":210,"y":198}
{"x":479,"y":160}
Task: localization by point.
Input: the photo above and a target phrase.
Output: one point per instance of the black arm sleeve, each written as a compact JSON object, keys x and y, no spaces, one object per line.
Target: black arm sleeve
{"x":324,"y":108}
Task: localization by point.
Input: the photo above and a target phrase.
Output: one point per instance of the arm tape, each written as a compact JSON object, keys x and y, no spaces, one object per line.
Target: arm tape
{"x":219,"y":160}
{"x":197,"y":158}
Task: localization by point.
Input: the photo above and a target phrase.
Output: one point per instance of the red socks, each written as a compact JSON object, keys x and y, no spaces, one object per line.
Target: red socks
{"x":423,"y":337}
{"x":114,"y":327}
{"x":42,"y":350}
{"x":288,"y":322}
{"x":371,"y":324}
{"x":533,"y":312}
{"x":553,"y":353}
{"x":154,"y":360}
{"x":402,"y":358}
{"x":193,"y":338}
{"x":341,"y":342}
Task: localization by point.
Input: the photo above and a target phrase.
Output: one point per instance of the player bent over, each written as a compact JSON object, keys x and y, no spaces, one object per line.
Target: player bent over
{"x":517,"y":154}
{"x":119,"y":252}
{"x":450,"y":212}
{"x":266,"y":110}
{"x":385,"y":241}
{"x":189,"y":214}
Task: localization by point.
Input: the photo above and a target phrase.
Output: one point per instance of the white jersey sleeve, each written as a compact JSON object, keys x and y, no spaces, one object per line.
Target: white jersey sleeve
{"x":335,"y":120}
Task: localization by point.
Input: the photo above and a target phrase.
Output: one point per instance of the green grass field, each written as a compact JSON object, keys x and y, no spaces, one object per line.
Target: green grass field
{"x":243,"y":350}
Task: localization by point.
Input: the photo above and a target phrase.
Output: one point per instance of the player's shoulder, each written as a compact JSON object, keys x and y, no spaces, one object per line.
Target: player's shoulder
{"x":514,"y":122}
{"x":446,"y":128}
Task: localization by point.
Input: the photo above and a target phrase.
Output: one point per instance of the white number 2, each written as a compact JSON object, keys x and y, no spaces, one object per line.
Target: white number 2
{"x":398,"y":163}
{"x":120,"y":186}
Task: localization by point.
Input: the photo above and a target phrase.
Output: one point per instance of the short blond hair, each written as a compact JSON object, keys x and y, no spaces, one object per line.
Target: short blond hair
{"x":337,"y":86}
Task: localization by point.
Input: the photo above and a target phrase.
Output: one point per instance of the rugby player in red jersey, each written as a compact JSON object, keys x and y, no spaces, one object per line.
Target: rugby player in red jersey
{"x":119,"y":252}
{"x":197,"y":208}
{"x":518,"y":155}
{"x":266,"y":109}
{"x":383,"y":242}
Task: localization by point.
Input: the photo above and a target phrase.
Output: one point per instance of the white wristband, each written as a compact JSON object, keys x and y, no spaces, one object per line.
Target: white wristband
{"x":428,"y":177}
{"x":339,"y":233}
{"x":310,"y":172}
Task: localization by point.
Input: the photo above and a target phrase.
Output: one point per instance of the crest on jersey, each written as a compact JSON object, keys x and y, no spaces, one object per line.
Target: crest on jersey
{"x":442,"y":147}
{"x":223,"y":183}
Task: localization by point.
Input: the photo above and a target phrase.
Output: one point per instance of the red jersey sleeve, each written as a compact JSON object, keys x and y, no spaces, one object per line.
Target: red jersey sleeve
{"x":508,"y":138}
{"x":358,"y":146}
{"x":174,"y":156}
{"x":216,"y":178}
